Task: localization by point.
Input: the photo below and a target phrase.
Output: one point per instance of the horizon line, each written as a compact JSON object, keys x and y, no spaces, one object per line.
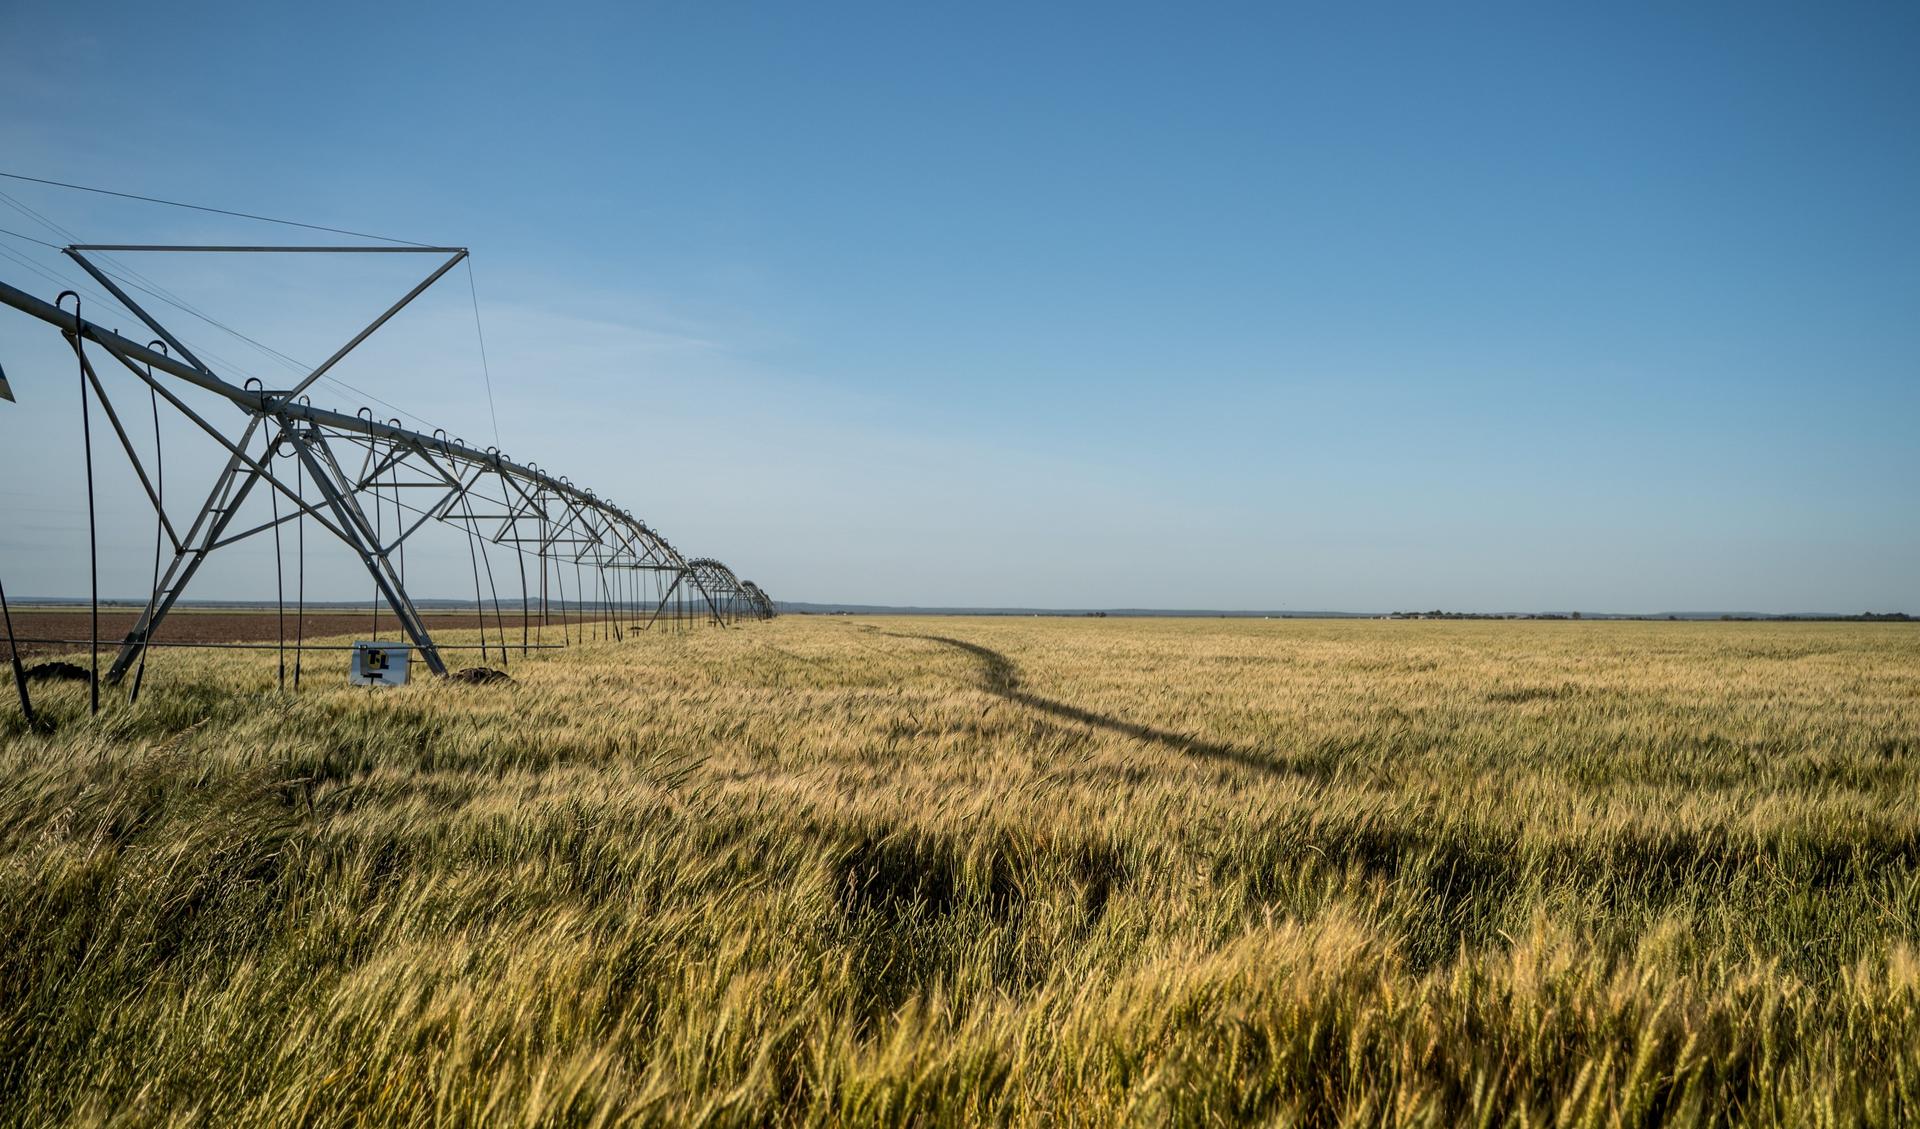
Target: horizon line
{"x":816,"y":606}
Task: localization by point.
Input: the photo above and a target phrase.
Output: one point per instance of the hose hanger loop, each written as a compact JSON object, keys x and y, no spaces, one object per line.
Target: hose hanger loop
{"x":160,"y":347}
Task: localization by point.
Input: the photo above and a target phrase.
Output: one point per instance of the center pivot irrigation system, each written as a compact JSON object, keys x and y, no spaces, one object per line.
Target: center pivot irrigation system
{"x":373,"y":485}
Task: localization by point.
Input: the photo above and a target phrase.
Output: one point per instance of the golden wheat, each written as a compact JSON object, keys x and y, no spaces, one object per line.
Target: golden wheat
{"x":943,"y":871}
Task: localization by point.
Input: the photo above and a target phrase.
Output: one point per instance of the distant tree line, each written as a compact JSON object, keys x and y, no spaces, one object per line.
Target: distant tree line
{"x":1863,"y":617}
{"x":1438,"y":614}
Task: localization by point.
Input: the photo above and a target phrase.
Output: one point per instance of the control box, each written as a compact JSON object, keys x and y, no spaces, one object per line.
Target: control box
{"x":379,"y":664}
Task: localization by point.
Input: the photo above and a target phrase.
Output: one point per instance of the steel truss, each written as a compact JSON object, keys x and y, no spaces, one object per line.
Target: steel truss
{"x":349,"y":473}
{"x":737,"y":599}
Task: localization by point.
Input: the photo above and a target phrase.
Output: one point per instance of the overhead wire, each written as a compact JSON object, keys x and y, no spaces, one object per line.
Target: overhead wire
{"x":72,"y":237}
{"x":120,"y":271}
{"x":129,"y":275}
{"x":132,"y":277}
{"x":29,"y":238}
{"x":485,"y":370}
{"x":292,"y":364}
{"x":15,"y":203}
{"x":126,"y":274}
{"x":103,"y":298}
{"x":45,"y":273}
{"x":123,"y":273}
{"x":206,"y":208}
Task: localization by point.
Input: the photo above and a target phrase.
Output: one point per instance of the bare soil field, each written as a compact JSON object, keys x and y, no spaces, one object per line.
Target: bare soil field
{"x":239,"y":625}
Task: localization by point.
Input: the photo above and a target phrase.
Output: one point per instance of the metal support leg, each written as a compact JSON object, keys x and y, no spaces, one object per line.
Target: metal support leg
{"x":223,"y":501}
{"x":361,"y":540}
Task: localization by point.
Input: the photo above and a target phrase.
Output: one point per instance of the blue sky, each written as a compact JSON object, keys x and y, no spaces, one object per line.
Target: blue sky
{"x":1261,"y":306}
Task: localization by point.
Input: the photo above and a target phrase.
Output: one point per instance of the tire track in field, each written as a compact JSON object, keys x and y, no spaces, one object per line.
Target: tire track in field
{"x":1000,"y":676}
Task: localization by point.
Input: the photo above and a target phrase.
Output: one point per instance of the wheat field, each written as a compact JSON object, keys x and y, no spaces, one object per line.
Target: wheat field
{"x":918,"y":871}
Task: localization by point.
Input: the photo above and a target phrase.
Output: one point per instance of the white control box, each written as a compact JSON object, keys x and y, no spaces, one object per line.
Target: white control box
{"x":379,"y":664}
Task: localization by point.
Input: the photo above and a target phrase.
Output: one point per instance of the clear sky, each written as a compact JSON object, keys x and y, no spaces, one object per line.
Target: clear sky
{"x":1280,"y":306}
